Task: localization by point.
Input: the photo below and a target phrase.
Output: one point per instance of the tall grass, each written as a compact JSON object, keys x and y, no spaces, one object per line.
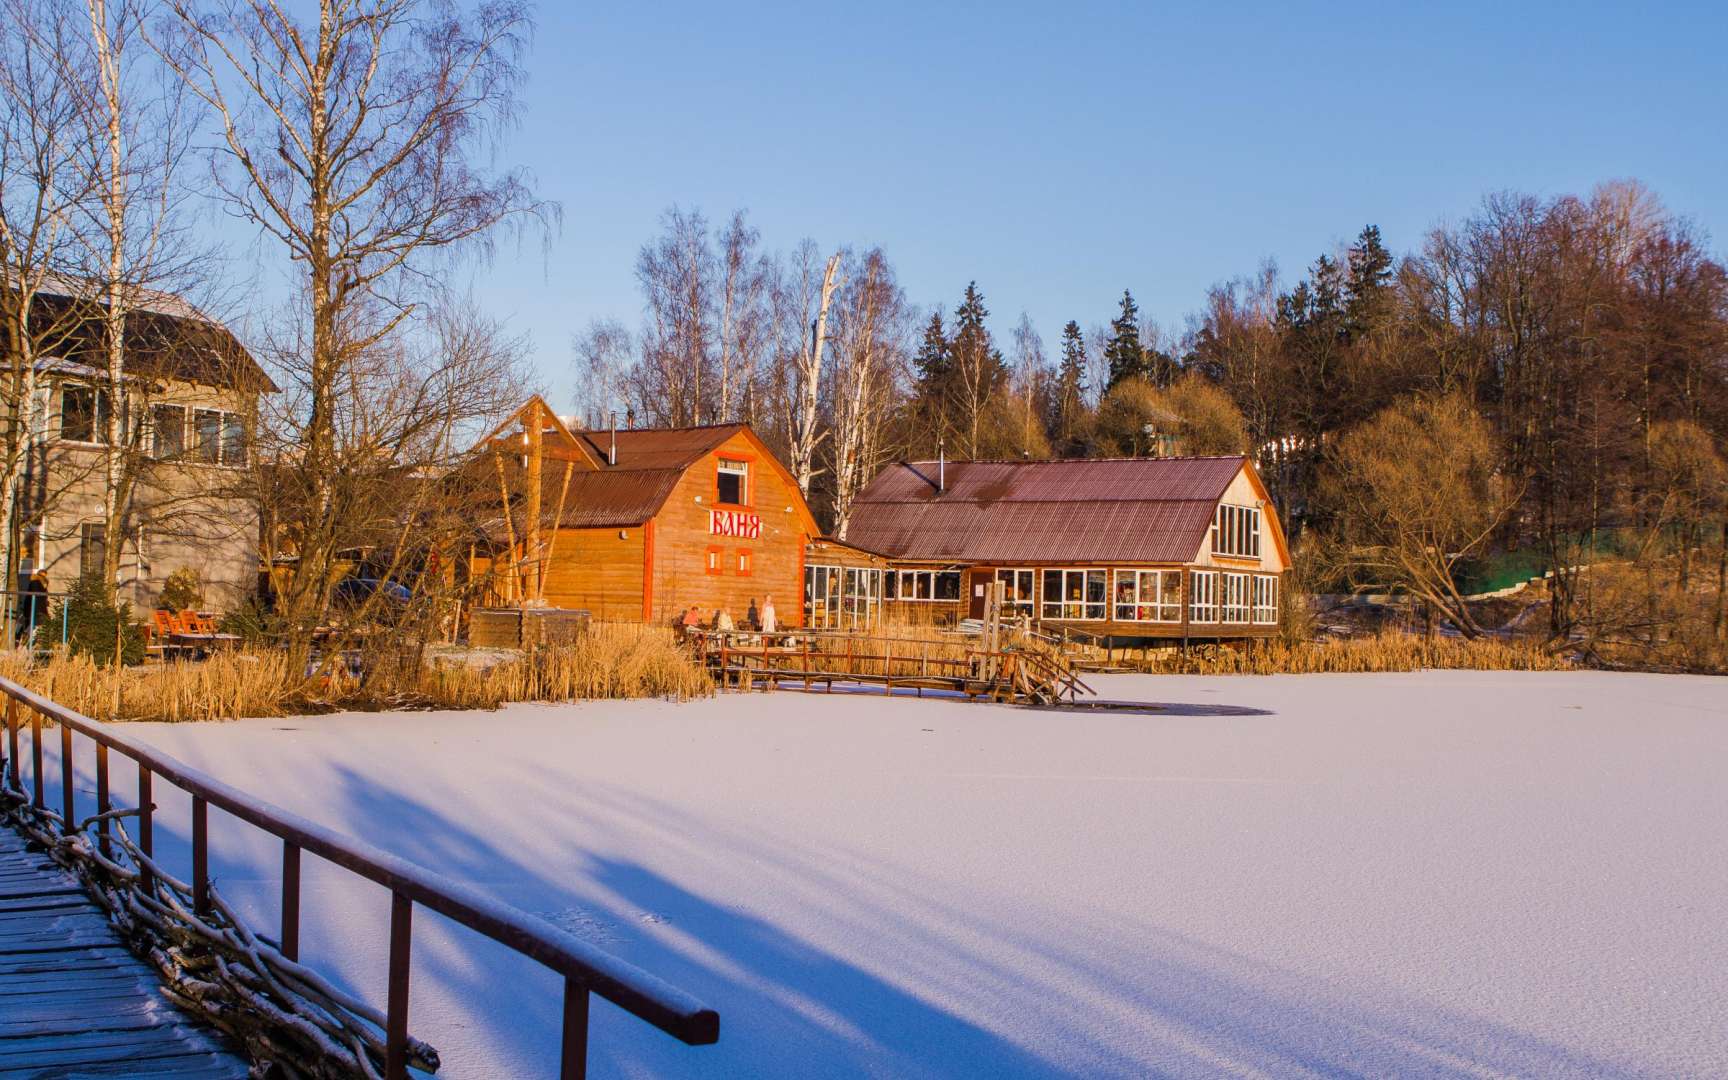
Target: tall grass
{"x":609,"y":661}
{"x":1390,"y":651}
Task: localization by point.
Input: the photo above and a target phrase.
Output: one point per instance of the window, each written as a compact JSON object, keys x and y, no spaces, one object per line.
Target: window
{"x":1019,"y":590}
{"x":207,"y":433}
{"x":926,"y":585}
{"x":1236,"y":531}
{"x":1265,"y":599}
{"x":743,"y":561}
{"x":733,"y":482}
{"x":92,"y":549}
{"x":169,"y":424}
{"x":1203,"y":606}
{"x":713,"y":564}
{"x":1236,"y":598}
{"x":1148,"y":596}
{"x":83,"y":414}
{"x":839,"y":598}
{"x":1076,"y":594}
{"x":233,"y":440}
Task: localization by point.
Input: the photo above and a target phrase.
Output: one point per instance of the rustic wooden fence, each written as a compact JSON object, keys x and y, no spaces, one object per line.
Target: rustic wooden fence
{"x":253,"y":987}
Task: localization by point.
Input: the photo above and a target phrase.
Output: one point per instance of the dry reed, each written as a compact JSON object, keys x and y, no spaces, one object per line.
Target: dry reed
{"x":1391,"y":651}
{"x":610,"y":661}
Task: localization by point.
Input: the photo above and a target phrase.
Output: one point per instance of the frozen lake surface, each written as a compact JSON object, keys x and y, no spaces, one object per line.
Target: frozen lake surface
{"x":1444,"y":874}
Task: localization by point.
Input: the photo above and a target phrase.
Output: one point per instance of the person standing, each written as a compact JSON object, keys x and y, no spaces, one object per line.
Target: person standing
{"x":768,"y":620}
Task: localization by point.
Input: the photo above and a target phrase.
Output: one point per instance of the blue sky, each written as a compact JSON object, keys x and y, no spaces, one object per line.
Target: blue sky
{"x":1060,"y":153}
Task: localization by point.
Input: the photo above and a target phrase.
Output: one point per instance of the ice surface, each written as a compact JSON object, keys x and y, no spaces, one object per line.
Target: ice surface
{"x":1431,"y":874}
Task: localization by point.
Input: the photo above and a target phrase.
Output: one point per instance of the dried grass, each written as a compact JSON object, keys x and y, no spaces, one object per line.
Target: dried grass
{"x":1390,"y":651}
{"x":610,"y":661}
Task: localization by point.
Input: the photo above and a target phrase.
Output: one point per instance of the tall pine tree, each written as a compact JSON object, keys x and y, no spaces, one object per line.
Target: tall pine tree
{"x":1124,"y":354}
{"x":978,"y":369}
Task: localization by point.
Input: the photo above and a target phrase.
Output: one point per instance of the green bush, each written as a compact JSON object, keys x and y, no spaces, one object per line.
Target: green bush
{"x":183,"y":591}
{"x":251,"y":622}
{"x":87,"y":620}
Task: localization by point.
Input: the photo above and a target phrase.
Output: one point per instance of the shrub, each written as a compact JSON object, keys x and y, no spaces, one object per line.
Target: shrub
{"x":89,"y":622}
{"x":183,"y":591}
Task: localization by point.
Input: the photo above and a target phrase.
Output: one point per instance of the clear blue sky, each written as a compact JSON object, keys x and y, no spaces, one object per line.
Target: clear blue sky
{"x":1060,"y":152}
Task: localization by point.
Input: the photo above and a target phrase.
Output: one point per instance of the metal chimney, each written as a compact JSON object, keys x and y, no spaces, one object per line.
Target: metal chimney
{"x":612,"y":453}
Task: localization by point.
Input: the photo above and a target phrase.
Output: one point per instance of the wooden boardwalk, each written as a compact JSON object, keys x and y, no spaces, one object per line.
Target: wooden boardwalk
{"x":74,"y":1001}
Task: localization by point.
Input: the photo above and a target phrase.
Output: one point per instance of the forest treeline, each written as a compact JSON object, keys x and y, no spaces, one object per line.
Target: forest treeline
{"x":1546,"y":378}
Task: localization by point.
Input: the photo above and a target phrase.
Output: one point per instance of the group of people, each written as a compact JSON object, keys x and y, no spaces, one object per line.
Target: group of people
{"x":756,"y":620}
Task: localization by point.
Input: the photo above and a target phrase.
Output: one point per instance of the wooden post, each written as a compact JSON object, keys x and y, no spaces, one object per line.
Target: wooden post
{"x":573,"y":1063}
{"x":396,"y":993}
{"x":509,"y":527}
{"x":533,"y":425}
{"x":102,"y":805}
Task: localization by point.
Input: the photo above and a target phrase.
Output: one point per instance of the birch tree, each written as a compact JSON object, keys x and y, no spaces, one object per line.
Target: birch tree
{"x":805,"y":311}
{"x":870,"y":328}
{"x":42,"y":187}
{"x":355,"y":140}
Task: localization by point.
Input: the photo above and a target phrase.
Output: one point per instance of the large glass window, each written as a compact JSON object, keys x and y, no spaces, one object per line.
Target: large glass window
{"x":1265,"y":599}
{"x":207,"y":436}
{"x":1019,"y":590}
{"x":841,"y":597}
{"x":1148,"y":596}
{"x":1236,"y":531}
{"x":1076,"y":594}
{"x":733,"y":482}
{"x":925,"y":585}
{"x":233,"y":440}
{"x":1203,"y":605}
{"x":1236,"y":598}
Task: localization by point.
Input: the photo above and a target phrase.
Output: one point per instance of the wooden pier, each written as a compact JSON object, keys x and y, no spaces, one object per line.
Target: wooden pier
{"x":74,"y":1001}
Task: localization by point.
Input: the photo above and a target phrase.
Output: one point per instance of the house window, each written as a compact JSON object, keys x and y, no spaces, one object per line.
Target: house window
{"x":743,"y":561}
{"x":207,"y":434}
{"x":1203,"y":606}
{"x":1236,"y":598}
{"x":233,"y":440}
{"x":1148,"y":596}
{"x":1265,"y":599}
{"x":733,"y":481}
{"x":1236,"y":531}
{"x":927,"y":585}
{"x":83,"y":414}
{"x":1076,"y":594}
{"x":713,"y":565}
{"x":169,"y":424}
{"x":1019,"y":590}
{"x":92,"y":549}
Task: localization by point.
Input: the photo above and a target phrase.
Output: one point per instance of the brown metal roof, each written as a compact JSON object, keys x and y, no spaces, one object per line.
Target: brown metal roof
{"x":658,"y":448}
{"x":1115,"y":510}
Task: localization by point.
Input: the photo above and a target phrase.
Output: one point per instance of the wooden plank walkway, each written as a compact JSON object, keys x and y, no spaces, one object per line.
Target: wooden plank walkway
{"x":74,"y":1001}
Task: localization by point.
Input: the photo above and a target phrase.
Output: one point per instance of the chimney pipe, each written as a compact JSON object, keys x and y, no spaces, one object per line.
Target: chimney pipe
{"x":612,"y":454}
{"x":941,"y":467}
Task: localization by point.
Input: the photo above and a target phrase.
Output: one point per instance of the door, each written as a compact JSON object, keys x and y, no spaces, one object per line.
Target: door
{"x":980,"y":591}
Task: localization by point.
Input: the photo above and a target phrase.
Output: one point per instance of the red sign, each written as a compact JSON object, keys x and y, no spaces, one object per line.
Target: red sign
{"x":735,"y":523}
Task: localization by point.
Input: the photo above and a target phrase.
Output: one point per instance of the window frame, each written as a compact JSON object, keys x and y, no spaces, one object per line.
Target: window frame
{"x":1203,"y":596}
{"x":1264,"y":599}
{"x":1080,"y":608}
{"x":1010,"y":590}
{"x":1236,"y":531}
{"x":157,"y":427}
{"x":1234,"y":608}
{"x":741,"y":562}
{"x":100,"y":404}
{"x":711,"y":563}
{"x":736,"y":467}
{"x":1162,"y":608}
{"x":92,"y":536}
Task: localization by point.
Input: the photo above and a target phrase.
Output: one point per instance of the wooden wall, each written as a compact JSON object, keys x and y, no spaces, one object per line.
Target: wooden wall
{"x":682,"y":538}
{"x":599,"y":570}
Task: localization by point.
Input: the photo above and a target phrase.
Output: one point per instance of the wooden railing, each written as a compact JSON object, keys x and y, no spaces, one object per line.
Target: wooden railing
{"x":586,"y":969}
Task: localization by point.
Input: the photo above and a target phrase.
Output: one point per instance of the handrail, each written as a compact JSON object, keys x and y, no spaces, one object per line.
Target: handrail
{"x":585,"y":967}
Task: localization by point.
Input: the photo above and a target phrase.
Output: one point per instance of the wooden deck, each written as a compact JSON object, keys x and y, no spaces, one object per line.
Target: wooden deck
{"x":73,"y":1000}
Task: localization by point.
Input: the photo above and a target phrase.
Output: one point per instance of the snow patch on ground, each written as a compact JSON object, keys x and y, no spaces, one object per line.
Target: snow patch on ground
{"x":1429,"y":874}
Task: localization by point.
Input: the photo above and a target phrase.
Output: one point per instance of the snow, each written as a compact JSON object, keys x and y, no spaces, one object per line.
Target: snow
{"x":1444,"y":873}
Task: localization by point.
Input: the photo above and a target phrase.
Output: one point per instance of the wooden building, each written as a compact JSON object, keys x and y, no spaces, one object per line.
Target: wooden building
{"x":1129,"y":548}
{"x":641,"y":524}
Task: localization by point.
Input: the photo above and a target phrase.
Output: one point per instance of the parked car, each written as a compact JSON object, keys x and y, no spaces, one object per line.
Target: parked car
{"x":354,"y":591}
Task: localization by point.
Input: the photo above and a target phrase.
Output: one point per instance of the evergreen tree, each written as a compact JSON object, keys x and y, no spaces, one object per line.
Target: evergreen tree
{"x":1124,"y":354}
{"x":1070,"y":398}
{"x":978,"y":369}
{"x":1367,"y":283}
{"x":933,"y":361}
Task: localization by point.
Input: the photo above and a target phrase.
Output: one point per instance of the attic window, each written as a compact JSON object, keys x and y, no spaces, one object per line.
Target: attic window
{"x":732,"y":482}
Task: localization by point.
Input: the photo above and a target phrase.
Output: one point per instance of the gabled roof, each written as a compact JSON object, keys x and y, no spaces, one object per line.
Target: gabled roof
{"x":642,"y":449}
{"x":1132,"y":510}
{"x":166,"y":337}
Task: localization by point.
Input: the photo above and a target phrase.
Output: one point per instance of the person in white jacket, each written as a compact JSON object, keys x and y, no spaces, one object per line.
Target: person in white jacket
{"x":768,"y":622}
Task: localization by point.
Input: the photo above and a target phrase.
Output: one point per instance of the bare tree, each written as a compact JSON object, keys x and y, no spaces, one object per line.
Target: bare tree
{"x":42,"y":189}
{"x":743,"y":322}
{"x":603,"y":371}
{"x":870,"y":331}
{"x":355,"y":140}
{"x":802,"y":305}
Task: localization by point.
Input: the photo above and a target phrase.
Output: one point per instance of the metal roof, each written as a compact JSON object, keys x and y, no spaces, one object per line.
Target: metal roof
{"x":658,"y":448}
{"x":1149,"y":510}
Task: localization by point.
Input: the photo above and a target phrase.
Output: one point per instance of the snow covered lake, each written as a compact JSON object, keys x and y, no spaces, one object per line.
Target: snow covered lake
{"x":1447,"y":873}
